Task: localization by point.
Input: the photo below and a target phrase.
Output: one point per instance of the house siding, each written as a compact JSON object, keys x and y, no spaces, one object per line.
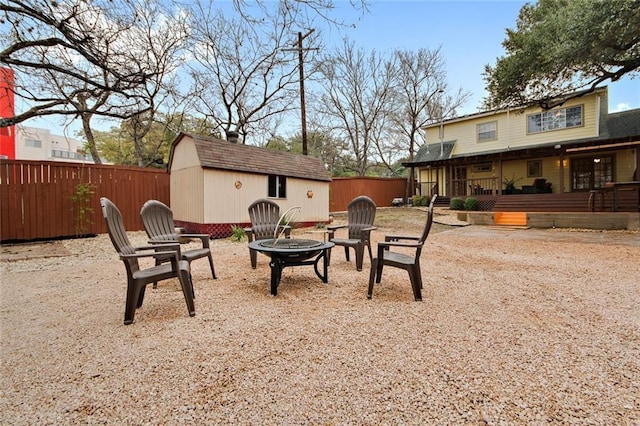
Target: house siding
{"x":512,"y":129}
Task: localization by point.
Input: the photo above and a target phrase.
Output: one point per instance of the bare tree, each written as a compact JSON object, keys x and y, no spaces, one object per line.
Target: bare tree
{"x":244,"y":78}
{"x":356,"y":90}
{"x":419,"y":97}
{"x":84,"y":59}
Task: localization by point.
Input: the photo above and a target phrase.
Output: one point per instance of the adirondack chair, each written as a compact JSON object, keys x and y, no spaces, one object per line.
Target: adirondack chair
{"x":408,"y":262}
{"x":265,"y":217}
{"x":361,"y":211}
{"x":137,"y":278}
{"x":157,"y":219}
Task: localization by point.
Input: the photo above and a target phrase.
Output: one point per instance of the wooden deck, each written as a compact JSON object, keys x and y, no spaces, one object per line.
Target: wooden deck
{"x":629,"y":201}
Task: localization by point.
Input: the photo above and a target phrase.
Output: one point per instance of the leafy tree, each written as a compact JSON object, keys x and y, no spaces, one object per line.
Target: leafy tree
{"x":564,"y":46}
{"x":118,"y":145}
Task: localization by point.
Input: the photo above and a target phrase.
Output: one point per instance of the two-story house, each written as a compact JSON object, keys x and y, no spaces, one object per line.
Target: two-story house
{"x":568,"y":158}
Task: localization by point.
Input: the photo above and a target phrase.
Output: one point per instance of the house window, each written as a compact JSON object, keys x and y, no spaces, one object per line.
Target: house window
{"x":479,"y":168}
{"x":277,"y":186}
{"x":487,"y":131}
{"x":591,"y":172}
{"x":557,"y":119}
{"x":534,"y":168}
{"x":34,"y":143}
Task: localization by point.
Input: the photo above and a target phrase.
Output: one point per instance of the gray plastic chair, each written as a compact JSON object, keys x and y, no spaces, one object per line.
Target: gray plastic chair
{"x":137,"y":278}
{"x":410,"y":263}
{"x":157,"y":219}
{"x":265,"y":216}
{"x":361,"y":213}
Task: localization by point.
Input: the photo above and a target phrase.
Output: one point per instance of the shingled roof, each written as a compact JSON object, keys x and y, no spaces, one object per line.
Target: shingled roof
{"x":216,"y":153}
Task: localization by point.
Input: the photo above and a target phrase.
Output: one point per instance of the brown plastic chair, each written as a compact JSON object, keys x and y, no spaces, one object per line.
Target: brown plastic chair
{"x":361,"y":212}
{"x":265,"y":217}
{"x":157,"y":219}
{"x":410,"y":263}
{"x":137,"y":278}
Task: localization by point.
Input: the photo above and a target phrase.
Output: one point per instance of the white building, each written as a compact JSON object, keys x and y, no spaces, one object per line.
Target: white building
{"x":38,"y":144}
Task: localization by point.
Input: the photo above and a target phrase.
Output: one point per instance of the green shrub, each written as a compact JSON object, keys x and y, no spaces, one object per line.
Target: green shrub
{"x":237,"y":233}
{"x":420,"y":200}
{"x":471,"y":204}
{"x":456,"y":204}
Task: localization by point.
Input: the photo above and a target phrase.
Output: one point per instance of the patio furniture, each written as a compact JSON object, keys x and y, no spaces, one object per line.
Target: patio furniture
{"x":157,"y":219}
{"x":265,"y":218}
{"x":400,"y":259}
{"x":137,"y":278}
{"x":293,"y":252}
{"x":361,"y":212}
{"x":542,"y":186}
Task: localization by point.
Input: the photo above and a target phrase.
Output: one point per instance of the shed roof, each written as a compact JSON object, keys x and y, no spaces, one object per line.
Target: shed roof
{"x":215,"y":153}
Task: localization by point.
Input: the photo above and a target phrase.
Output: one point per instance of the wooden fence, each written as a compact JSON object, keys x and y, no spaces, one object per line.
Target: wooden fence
{"x":381,"y":190}
{"x":42,"y":200}
{"x":37,"y":198}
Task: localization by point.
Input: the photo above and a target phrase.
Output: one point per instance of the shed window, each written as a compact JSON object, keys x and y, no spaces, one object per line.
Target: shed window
{"x":277,"y":186}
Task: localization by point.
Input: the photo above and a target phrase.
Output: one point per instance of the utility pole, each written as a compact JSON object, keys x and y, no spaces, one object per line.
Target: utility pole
{"x":303,"y":113}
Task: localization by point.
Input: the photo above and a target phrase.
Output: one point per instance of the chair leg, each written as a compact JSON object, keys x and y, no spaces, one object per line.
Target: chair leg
{"x":328,"y":257}
{"x":416,"y":283}
{"x":359,"y":255}
{"x":187,"y":290}
{"x":372,"y":274}
{"x":253,"y":255}
{"x":141,"y":296}
{"x":379,"y":271}
{"x":346,"y":252}
{"x":213,"y":271}
{"x":133,"y":298}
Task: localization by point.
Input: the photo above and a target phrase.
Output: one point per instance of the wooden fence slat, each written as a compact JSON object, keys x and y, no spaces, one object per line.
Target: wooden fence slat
{"x":37,"y":204}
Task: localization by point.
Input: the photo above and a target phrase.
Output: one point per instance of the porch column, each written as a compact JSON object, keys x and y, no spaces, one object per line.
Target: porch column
{"x":561,"y":171}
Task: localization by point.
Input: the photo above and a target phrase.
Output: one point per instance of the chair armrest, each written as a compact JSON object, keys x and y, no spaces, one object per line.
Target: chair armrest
{"x":387,"y":244}
{"x":389,"y":238}
{"x":158,"y":249}
{"x":155,"y":254}
{"x":331,"y":229}
{"x":370,"y":228}
{"x":158,"y":244}
{"x":204,"y":238}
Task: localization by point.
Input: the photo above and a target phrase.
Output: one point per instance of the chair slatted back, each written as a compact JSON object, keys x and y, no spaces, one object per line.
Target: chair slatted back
{"x":264,"y":215}
{"x":157,"y":219}
{"x":117,"y":232}
{"x":427,"y":226}
{"x":361,"y":213}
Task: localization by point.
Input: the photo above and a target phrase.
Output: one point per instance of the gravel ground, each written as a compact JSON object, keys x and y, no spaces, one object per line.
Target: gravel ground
{"x":516,"y":327}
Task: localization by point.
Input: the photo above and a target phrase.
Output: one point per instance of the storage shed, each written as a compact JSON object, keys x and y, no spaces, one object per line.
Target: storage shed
{"x":214,"y":181}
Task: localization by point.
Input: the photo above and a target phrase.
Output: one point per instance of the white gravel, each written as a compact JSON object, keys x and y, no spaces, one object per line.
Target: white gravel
{"x":516,"y":327}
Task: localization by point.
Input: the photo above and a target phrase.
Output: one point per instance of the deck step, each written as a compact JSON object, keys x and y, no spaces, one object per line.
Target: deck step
{"x":510,"y":218}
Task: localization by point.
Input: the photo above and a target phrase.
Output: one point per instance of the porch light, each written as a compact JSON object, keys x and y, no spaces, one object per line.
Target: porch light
{"x":596,"y":160}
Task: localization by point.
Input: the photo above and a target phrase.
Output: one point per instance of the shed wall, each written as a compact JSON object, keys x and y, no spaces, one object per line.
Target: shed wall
{"x":228,"y":195}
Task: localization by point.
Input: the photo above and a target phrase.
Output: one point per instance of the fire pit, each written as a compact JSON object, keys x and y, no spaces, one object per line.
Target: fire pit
{"x":293,"y":252}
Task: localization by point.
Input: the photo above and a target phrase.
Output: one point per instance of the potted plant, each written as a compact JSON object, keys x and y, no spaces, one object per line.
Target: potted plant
{"x":510,"y":184}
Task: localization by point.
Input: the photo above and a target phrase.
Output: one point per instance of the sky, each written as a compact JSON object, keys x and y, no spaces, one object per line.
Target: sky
{"x":469,"y":32}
